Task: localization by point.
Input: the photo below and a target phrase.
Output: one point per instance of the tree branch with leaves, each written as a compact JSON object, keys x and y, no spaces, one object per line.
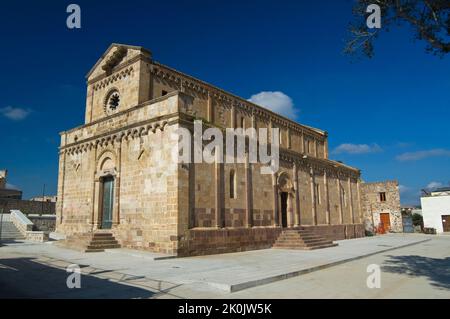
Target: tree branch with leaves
{"x":429,"y":21}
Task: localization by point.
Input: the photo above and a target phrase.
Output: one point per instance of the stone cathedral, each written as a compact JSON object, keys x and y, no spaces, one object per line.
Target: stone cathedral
{"x":118,"y":187}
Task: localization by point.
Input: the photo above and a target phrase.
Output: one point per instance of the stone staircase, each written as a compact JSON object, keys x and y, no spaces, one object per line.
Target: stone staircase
{"x":301,"y":239}
{"x":9,"y":231}
{"x":90,"y":242}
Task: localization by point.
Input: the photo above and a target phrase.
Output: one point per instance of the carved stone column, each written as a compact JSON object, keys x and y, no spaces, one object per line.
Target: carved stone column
{"x":302,"y":142}
{"x":191,"y":187}
{"x":116,"y":210}
{"x":210,"y":111}
{"x":97,"y":202}
{"x":275,"y":199}
{"x":359,"y":201}
{"x":248,"y":192}
{"x":219,"y":200}
{"x":327,"y":197}
{"x":351,"y":200}
{"x":61,"y":182}
{"x":341,"y":213}
{"x":94,"y":187}
{"x":312,"y":182}
{"x":296,"y":197}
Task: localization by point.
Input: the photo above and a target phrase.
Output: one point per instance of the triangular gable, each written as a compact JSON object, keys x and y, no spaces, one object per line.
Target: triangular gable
{"x":115,"y":54}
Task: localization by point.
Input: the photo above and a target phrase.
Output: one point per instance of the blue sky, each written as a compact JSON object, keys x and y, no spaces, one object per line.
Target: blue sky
{"x":387,"y":115}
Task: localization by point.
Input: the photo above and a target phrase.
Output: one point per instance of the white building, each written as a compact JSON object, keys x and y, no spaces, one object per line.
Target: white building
{"x":436,"y":209}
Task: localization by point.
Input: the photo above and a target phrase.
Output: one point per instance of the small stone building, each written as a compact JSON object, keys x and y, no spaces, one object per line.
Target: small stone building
{"x":116,"y":173}
{"x":381,"y":204}
{"x":7,"y":192}
{"x":11,"y":199}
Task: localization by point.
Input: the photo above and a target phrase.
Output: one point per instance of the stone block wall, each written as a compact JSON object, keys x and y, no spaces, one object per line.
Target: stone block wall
{"x":217,"y":241}
{"x":189,"y":208}
{"x":373,"y":206}
{"x":27,"y":206}
{"x":43,"y":223}
{"x":338,"y":232}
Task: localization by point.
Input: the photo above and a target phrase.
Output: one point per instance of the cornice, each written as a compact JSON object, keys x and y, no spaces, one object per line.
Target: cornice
{"x":131,"y":131}
{"x":119,"y":67}
{"x":321,"y":165}
{"x":229,"y":99}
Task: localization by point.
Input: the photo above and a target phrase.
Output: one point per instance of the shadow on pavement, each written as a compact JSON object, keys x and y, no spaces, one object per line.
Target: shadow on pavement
{"x":27,"y":278}
{"x":436,"y":270}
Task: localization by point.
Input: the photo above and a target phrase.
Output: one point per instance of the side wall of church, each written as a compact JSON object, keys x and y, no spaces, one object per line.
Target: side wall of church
{"x":226,"y":111}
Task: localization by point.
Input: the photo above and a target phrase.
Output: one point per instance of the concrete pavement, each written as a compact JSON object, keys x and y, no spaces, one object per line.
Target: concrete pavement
{"x":139,"y":275}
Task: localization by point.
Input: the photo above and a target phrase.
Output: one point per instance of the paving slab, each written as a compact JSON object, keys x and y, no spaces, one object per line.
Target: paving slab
{"x":228,"y":272}
{"x":240,"y":271}
{"x":124,"y":252}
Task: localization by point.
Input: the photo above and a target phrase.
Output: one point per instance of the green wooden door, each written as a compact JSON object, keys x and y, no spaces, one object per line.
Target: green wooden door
{"x":108,"y":199}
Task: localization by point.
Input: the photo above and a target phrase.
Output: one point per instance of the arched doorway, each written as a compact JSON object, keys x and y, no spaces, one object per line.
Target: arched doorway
{"x":107,"y":202}
{"x":106,"y":214}
{"x":285,"y":195}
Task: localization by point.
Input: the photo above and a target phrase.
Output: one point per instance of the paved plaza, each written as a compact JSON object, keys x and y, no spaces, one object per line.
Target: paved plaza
{"x":411,"y":266}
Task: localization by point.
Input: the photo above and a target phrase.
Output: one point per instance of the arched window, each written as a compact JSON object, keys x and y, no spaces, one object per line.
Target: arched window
{"x":232,"y":184}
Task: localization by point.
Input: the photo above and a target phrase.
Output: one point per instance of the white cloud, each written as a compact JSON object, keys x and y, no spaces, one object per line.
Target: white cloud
{"x":275,"y":101}
{"x":433,"y":185}
{"x":15,"y":113}
{"x":403,"y":189}
{"x":415,"y":156}
{"x":357,"y":148}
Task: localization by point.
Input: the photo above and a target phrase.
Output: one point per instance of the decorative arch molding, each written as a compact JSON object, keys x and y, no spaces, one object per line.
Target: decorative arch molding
{"x":285,"y":183}
{"x":106,"y":163}
{"x":104,"y":141}
{"x":127,"y":72}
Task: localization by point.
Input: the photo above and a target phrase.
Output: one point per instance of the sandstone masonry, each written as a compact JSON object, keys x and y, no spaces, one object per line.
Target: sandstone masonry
{"x":382,"y":198}
{"x":116,"y":172}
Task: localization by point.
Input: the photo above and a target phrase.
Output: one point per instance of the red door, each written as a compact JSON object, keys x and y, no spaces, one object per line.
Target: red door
{"x":386,"y":221}
{"x":446,"y":222}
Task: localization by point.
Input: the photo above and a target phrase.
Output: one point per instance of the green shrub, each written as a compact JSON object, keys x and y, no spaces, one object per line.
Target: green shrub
{"x":417,"y":220}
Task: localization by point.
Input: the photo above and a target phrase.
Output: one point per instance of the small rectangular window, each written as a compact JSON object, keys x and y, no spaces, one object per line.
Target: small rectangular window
{"x":232,"y":184}
{"x":382,"y":197}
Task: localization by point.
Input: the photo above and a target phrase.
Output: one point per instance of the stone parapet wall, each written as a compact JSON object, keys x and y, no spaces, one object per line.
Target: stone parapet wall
{"x":338,"y":232}
{"x":43,"y":223}
{"x":37,"y":236}
{"x":217,"y":241}
{"x":27,"y":206}
{"x":228,"y":240}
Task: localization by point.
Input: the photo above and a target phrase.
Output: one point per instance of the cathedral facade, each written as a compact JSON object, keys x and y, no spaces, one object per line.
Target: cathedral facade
{"x":116,"y":172}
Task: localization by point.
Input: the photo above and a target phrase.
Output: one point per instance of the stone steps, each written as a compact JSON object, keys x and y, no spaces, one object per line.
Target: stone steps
{"x":301,"y":239}
{"x":95,"y":242}
{"x":10,"y":232}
